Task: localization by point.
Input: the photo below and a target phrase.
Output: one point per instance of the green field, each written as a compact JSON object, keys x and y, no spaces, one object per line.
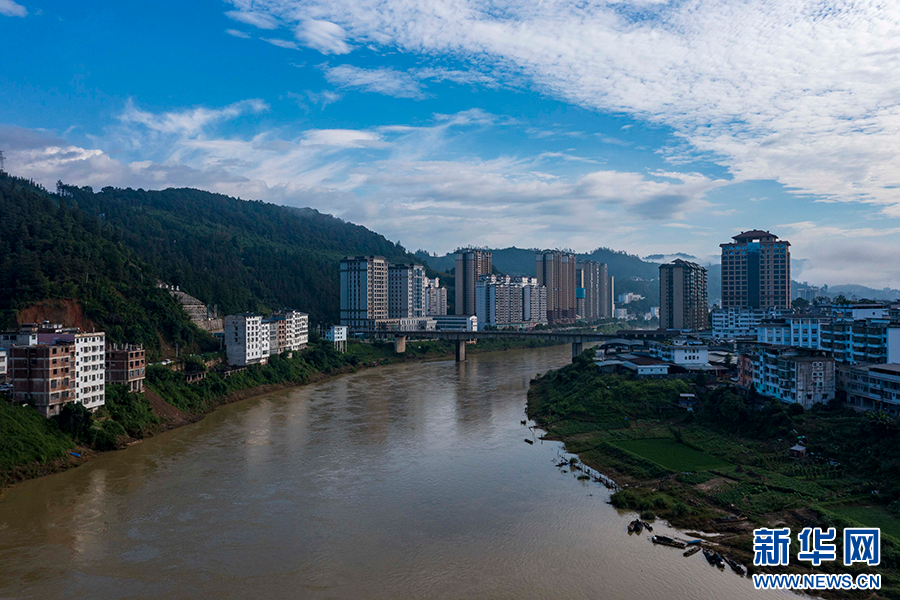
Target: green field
{"x":672,"y":455}
{"x":871,"y":516}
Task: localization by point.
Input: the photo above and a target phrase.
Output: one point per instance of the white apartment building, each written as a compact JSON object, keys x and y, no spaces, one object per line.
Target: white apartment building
{"x":296,"y":330}
{"x":740,"y":322}
{"x":337,"y":335}
{"x":680,"y":352}
{"x":800,"y":331}
{"x":246,"y":340}
{"x":4,"y":364}
{"x":503,"y":301}
{"x":534,"y":300}
{"x":793,"y":375}
{"x":435,"y":297}
{"x":90,"y":365}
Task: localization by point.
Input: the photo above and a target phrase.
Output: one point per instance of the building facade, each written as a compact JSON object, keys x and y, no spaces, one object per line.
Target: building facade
{"x":794,"y":375}
{"x":756,"y":271}
{"x":800,"y":331}
{"x":126,"y":365}
{"x":90,"y":363}
{"x":682,"y":296}
{"x":471,"y":264}
{"x":246,"y":341}
{"x":45,"y":375}
{"x":556,"y":272}
{"x":435,"y":298}
{"x":337,"y":335}
{"x":406,"y":291}
{"x":364,"y":291}
{"x":862,"y":341}
{"x":870,"y":387}
{"x":680,"y":352}
{"x":737,"y":322}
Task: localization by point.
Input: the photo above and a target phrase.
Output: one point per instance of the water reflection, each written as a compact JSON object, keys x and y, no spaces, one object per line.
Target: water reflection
{"x":410,"y":481}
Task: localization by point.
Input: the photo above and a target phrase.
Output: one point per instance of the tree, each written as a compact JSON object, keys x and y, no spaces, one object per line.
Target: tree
{"x":800,"y":304}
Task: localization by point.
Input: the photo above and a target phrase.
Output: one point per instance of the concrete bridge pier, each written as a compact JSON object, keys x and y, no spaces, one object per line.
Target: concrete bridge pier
{"x":460,"y":350}
{"x":399,"y":344}
{"x":577,"y":349}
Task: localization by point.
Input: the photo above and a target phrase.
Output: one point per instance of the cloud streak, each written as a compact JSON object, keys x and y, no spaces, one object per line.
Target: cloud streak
{"x":803,"y":93}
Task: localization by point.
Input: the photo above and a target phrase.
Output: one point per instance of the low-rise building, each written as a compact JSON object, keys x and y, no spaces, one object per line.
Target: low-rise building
{"x":794,"y":375}
{"x":801,"y":331}
{"x":45,"y":375}
{"x":870,"y":387}
{"x":680,"y":351}
{"x":337,"y":335}
{"x":740,"y":322}
{"x":862,"y":341}
{"x":456,"y":323}
{"x":126,"y":364}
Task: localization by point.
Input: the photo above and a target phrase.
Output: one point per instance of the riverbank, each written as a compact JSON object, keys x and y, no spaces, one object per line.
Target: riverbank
{"x":31,"y":446}
{"x":725,"y":467}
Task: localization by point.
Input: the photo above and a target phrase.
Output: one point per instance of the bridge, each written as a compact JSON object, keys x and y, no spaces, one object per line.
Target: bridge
{"x":461,"y":337}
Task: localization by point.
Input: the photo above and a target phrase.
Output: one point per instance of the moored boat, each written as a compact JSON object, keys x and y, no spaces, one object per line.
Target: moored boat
{"x":667,"y":541}
{"x":692,"y":550}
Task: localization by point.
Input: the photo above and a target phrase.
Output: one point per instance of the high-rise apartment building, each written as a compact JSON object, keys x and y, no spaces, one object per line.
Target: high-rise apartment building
{"x":501,"y":300}
{"x":471,"y":264}
{"x":435,"y":298}
{"x":756,"y":271}
{"x":364,"y":291}
{"x":406,"y":291}
{"x":682,"y":296}
{"x":593,"y":294}
{"x":556,"y":272}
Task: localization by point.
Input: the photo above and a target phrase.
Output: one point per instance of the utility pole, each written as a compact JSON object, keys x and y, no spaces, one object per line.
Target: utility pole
{"x":2,"y":160}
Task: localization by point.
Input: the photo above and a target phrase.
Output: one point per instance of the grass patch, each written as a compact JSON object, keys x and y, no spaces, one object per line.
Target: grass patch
{"x":870,"y":516}
{"x":26,"y":436}
{"x":671,"y":454}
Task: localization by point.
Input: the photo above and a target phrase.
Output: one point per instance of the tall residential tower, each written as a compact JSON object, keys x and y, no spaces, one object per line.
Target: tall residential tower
{"x":682,"y":296}
{"x":756,"y":271}
{"x":471,"y":264}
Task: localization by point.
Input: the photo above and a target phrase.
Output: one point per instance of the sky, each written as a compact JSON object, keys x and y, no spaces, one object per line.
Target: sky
{"x":650,"y":126}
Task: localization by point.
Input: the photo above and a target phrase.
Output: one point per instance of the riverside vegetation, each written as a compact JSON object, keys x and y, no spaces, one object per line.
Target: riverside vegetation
{"x":31,"y":445}
{"x":729,"y":456}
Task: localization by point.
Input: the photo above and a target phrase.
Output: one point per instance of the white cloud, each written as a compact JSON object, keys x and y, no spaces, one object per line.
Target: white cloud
{"x":343,"y":138}
{"x":260,"y":20}
{"x":11,"y":9}
{"x":381,"y":81}
{"x":282,"y":43}
{"x":805,"y":93}
{"x":190,"y":121}
{"x":236,"y":33}
{"x":324,"y":36}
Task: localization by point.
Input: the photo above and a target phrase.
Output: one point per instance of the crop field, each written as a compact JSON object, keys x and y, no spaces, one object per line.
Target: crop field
{"x":671,"y":454}
{"x":871,"y":516}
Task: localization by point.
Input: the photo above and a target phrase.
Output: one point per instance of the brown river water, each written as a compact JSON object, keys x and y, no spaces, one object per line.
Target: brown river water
{"x":403,"y":482}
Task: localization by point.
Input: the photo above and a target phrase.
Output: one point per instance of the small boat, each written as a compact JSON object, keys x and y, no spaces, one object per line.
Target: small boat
{"x":708,"y":555}
{"x":647,"y":526}
{"x":527,"y":441}
{"x":731,"y":519}
{"x":735,"y":566}
{"x":719,"y":561}
{"x":694,"y":542}
{"x":635,"y":526}
{"x":667,"y":541}
{"x":692,"y":550}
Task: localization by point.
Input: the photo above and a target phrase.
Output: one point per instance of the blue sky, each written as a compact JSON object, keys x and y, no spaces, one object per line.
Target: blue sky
{"x":648,"y":126}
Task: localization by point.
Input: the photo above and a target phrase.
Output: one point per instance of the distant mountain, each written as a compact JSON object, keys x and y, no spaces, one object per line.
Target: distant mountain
{"x":663,"y":258}
{"x":853,"y":291}
{"x":521,"y":262}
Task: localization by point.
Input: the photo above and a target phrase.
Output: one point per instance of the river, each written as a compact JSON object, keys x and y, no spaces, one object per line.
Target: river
{"x":403,"y":482}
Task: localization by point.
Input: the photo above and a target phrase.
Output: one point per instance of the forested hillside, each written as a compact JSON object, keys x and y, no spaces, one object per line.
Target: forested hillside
{"x":107,"y":250}
{"x":51,"y":249}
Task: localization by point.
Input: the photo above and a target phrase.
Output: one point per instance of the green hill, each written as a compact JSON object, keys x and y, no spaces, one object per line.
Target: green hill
{"x":107,"y":250}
